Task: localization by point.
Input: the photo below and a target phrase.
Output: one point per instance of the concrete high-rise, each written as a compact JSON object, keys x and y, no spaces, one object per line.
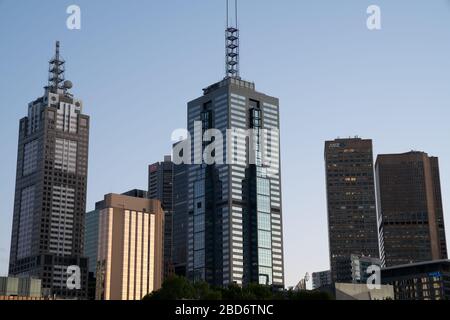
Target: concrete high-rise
{"x":51,"y":181}
{"x":130,"y":248}
{"x":160,"y":187}
{"x":411,"y":218}
{"x":352,"y":218}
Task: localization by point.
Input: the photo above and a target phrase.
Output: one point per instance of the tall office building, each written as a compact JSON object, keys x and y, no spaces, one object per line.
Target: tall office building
{"x":411,"y":218}
{"x":180,"y":219}
{"x":50,"y":196}
{"x":160,"y":187}
{"x":91,"y":238}
{"x":234,"y":203}
{"x":130,"y":249}
{"x":91,"y":248}
{"x":352,"y":218}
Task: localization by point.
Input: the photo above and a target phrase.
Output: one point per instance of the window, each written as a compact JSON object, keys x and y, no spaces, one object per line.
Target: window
{"x":30,"y":157}
{"x":199,"y":223}
{"x":199,"y":189}
{"x":206,"y":117}
{"x":263,"y":203}
{"x":263,"y":186}
{"x":199,"y":259}
{"x":264,"y":222}
{"x":265,"y":257}
{"x":255,"y":114}
{"x":199,"y":241}
{"x":264,"y":239}
{"x":265,"y":276}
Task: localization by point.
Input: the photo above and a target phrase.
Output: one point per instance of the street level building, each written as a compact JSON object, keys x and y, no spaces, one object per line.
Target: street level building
{"x":428,"y":280}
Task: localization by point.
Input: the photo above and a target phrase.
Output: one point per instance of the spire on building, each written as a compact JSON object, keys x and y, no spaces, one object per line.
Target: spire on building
{"x":232,"y":41}
{"x":56,"y":71}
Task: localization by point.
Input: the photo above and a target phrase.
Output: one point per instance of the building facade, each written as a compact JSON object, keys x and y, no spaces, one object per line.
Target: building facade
{"x":234,"y":204}
{"x":160,"y":187}
{"x":180,"y":219}
{"x":352,"y":218}
{"x":91,"y":239}
{"x":355,"y":269}
{"x":358,"y":291}
{"x":20,"y":287}
{"x":50,"y":195}
{"x":410,"y":213}
{"x":419,"y":281}
{"x":130,"y":248}
{"x":321,"y":279}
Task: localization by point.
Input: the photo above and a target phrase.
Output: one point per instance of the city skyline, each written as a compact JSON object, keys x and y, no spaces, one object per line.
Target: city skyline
{"x":308,"y":202}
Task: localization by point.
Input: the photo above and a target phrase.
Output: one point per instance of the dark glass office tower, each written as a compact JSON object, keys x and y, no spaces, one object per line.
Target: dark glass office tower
{"x":234,"y":193}
{"x":411,"y":218}
{"x":50,"y":196}
{"x":180,"y":219}
{"x":352,"y":218}
{"x":160,"y":187}
{"x":235,"y":216}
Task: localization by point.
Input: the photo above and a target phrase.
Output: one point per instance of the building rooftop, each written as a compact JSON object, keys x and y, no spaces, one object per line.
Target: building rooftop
{"x":228,"y":81}
{"x":417,"y":264}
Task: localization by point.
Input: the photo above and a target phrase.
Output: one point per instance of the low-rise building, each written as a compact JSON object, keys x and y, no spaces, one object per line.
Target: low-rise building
{"x":419,"y":281}
{"x":321,"y":279}
{"x":354,"y":269}
{"x":20,"y":288}
{"x":359,"y":291}
{"x":129,"y":255}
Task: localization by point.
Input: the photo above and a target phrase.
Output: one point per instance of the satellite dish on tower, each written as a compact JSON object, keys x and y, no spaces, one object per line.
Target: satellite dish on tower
{"x":68,"y":84}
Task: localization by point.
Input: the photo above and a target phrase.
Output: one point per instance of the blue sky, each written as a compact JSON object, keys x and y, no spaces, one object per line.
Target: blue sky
{"x":136,"y":64}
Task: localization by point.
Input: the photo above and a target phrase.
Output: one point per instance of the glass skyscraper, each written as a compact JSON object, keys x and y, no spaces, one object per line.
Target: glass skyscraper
{"x":234,"y":205}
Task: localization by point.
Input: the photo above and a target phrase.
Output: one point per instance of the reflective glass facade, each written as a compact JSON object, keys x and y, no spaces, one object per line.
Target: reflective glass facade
{"x":234,"y":205}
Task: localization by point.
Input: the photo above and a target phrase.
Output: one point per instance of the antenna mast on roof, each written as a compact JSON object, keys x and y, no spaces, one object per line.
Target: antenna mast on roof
{"x":56,"y":71}
{"x":232,"y":42}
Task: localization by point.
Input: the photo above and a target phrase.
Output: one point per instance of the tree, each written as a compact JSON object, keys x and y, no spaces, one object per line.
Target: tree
{"x":179,"y":288}
{"x":307,"y":295}
{"x":174,"y":288}
{"x":204,"y":292}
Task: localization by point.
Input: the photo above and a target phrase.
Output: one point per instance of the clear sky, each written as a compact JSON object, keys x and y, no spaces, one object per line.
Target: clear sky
{"x":136,"y":63}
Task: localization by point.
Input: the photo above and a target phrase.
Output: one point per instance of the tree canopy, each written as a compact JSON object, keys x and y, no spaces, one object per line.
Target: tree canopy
{"x":180,"y":288}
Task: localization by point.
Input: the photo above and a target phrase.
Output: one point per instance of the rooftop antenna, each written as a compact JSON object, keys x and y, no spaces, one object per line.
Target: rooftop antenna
{"x":56,"y":71}
{"x":232,"y":42}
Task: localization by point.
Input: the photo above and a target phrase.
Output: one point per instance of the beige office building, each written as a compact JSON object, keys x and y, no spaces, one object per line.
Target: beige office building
{"x":130,"y":250}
